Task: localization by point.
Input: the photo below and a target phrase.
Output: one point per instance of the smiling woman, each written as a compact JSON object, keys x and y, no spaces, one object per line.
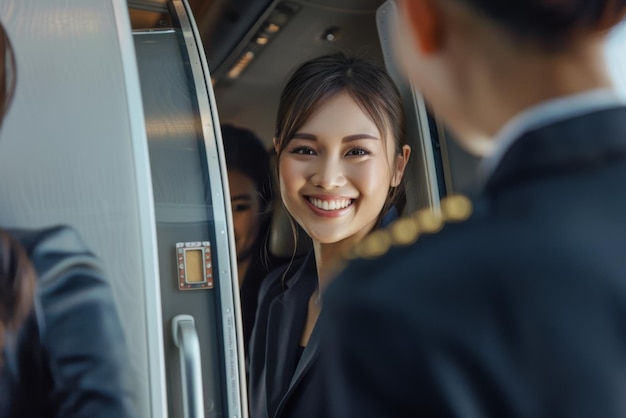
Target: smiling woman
{"x":341,"y":160}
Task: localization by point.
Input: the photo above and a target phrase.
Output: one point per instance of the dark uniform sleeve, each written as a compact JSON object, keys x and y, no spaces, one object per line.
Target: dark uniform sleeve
{"x":367,"y":362}
{"x":80,"y":330}
{"x":488,"y":335}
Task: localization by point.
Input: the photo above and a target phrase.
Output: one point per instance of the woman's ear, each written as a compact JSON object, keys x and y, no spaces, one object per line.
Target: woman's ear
{"x":401,"y":161}
{"x":275,"y":142}
{"x":424,"y":24}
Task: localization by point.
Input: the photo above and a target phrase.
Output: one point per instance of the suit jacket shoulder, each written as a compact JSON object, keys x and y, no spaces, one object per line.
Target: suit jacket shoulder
{"x":70,"y":358}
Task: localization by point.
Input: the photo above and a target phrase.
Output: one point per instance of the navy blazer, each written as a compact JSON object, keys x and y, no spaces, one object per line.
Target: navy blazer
{"x":518,"y":312}
{"x":280,"y":384}
{"x":70,"y":358}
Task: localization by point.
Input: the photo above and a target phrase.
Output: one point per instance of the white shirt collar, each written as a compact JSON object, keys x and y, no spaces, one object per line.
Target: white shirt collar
{"x":544,"y":114}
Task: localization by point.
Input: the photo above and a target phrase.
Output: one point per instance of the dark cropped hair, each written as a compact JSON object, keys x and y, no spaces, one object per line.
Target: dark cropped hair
{"x":245,"y":153}
{"x":17,"y":275}
{"x":551,"y":23}
{"x":316,"y":81}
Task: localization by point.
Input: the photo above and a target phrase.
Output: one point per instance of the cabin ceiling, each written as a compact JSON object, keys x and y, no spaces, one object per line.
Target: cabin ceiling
{"x":230,"y":29}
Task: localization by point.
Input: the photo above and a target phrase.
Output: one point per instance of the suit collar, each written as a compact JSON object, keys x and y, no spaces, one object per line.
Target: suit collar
{"x":545,"y":114}
{"x":582,"y":141}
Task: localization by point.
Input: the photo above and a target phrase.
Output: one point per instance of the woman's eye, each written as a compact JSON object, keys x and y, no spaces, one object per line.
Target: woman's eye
{"x":303,"y":151}
{"x":358,"y":152}
{"x":241,"y":208}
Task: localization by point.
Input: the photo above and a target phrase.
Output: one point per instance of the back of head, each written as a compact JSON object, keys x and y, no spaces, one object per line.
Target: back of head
{"x":549,"y":23}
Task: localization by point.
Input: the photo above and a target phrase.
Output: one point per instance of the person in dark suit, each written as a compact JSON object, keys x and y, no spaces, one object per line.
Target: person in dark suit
{"x":340,"y":162}
{"x":63,"y":352}
{"x":519,"y":310}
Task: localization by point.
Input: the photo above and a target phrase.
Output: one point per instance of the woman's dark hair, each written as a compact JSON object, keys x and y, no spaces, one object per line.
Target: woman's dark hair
{"x":7,"y":73}
{"x":316,"y":81}
{"x":17,"y":285}
{"x":17,"y":275}
{"x":551,"y":23}
{"x":245,"y":153}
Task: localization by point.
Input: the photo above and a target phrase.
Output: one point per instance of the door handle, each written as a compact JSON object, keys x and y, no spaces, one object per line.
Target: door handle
{"x":186,"y":339}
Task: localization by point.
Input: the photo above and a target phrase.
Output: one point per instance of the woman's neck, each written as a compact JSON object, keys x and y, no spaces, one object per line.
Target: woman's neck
{"x":329,"y":258}
{"x":328,"y":261}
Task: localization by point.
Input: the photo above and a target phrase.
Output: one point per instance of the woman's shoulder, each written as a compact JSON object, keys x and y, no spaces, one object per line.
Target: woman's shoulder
{"x":63,"y":237}
{"x":49,"y":247}
{"x":75,"y":318}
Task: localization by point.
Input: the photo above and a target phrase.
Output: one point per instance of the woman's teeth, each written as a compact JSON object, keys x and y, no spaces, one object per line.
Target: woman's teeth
{"x":330,"y":204}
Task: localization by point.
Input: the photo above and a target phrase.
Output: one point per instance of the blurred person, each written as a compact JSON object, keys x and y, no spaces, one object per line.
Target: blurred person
{"x":520,"y":310}
{"x":341,"y":155}
{"x":249,"y":179}
{"x":62,"y":349}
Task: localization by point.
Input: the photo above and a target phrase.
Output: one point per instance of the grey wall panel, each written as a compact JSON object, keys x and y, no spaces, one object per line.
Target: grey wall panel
{"x":70,"y":153}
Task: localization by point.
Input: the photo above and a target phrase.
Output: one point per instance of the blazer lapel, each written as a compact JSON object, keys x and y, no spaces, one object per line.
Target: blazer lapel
{"x":304,"y":365}
{"x":286,"y":320}
{"x":279,"y":356}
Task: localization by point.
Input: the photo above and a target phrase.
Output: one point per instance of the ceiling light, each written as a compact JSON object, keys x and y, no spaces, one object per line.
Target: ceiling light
{"x":241,"y":65}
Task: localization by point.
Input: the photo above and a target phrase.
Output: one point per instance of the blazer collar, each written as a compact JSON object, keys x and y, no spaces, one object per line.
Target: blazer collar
{"x":583,"y":141}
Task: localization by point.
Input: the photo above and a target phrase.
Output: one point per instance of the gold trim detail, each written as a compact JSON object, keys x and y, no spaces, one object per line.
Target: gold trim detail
{"x":406,"y":230}
{"x":456,"y":208}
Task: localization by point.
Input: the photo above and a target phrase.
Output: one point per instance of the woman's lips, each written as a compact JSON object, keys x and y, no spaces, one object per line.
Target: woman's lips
{"x":330,"y":204}
{"x":330,"y":207}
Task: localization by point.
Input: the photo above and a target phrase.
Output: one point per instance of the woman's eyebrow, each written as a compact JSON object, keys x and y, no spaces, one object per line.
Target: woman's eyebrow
{"x":358,"y":136}
{"x":311,"y":137}
{"x":302,"y":135}
{"x":241,"y":197}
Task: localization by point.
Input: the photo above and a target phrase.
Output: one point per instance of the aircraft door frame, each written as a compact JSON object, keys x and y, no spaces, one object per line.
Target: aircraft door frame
{"x":204,"y":358}
{"x":231,"y":315}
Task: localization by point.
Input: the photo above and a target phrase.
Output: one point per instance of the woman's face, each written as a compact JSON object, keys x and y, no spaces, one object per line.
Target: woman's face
{"x":336,"y":171}
{"x":245,"y":203}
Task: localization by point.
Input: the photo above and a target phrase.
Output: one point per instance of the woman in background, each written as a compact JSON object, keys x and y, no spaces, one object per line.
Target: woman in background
{"x":248,"y":165}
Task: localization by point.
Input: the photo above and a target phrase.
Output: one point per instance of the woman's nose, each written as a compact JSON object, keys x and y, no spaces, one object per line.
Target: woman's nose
{"x":329,"y":174}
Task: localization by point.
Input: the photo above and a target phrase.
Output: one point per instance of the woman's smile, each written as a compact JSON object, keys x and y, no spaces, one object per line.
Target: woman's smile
{"x":330,"y":207}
